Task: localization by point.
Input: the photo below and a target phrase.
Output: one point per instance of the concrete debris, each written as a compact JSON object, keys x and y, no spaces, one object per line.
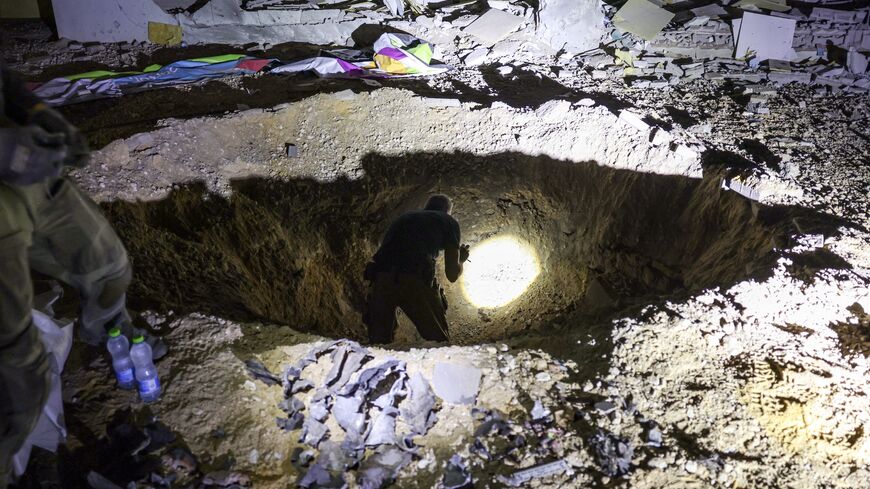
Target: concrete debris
{"x":554,"y":110}
{"x":456,"y":383}
{"x":457,"y":476}
{"x":808,"y":42}
{"x":572,"y":25}
{"x":140,"y":142}
{"x":711,"y":11}
{"x":539,"y":412}
{"x":346,"y":94}
{"x":643,"y":18}
{"x":476,"y":57}
{"x":772,"y":5}
{"x":856,"y":62}
{"x":612,"y":453}
{"x":664,"y":42}
{"x":493,"y":26}
{"x":741,"y":188}
{"x":505,"y":70}
{"x":537,"y":472}
{"x":654,"y":436}
{"x":634,"y":120}
{"x":605,"y":407}
{"x":764,"y":37}
{"x":434,"y":102}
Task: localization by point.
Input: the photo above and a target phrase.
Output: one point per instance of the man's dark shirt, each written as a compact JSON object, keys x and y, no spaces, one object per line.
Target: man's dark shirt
{"x":414,"y":240}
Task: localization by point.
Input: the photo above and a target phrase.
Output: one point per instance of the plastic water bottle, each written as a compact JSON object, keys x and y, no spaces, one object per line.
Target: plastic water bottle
{"x":146,"y":372}
{"x":119,"y":348}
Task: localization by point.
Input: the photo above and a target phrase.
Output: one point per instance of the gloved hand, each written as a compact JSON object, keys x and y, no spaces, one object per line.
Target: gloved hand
{"x":29,"y":154}
{"x":53,"y":122}
{"x":463,"y":253}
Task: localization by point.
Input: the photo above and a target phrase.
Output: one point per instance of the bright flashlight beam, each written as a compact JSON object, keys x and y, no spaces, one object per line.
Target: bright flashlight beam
{"x":501,"y":270}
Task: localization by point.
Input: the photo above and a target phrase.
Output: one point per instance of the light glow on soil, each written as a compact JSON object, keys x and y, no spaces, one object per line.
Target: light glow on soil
{"x":499,"y":270}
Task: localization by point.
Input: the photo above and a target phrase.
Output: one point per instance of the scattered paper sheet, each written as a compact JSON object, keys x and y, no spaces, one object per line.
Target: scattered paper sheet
{"x":642,"y":18}
{"x":765,"y":37}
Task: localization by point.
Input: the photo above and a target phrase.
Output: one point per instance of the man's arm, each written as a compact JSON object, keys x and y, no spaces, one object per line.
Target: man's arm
{"x":452,"y":265}
{"x":453,"y":260}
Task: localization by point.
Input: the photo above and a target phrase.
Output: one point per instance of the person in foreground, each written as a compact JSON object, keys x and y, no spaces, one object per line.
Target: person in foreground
{"x":46,"y":224}
{"x":402,"y":272}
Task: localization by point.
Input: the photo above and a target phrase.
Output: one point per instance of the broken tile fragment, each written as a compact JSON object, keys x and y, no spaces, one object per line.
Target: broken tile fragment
{"x":764,"y":37}
{"x":613,"y":454}
{"x":643,"y":18}
{"x":634,"y":120}
{"x":520,"y":477}
{"x":456,"y":383}
{"x":493,"y":26}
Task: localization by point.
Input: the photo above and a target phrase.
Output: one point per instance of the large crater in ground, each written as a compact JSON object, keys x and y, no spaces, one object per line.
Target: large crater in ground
{"x":293,"y":252}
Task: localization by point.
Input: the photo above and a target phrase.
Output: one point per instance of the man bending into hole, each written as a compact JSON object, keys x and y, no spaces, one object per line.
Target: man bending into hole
{"x":402,"y":273}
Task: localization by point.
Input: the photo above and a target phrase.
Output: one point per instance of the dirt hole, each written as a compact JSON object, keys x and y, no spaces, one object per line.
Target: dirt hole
{"x":293,"y":252}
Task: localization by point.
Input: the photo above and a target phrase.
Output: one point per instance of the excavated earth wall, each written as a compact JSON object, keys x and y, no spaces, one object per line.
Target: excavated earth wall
{"x":285,"y":239}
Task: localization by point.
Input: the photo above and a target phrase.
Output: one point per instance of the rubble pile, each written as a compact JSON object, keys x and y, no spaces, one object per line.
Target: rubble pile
{"x":821,"y":46}
{"x":364,"y":418}
{"x":647,"y":45}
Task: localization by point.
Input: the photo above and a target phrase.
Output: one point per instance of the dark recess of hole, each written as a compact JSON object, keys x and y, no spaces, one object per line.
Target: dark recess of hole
{"x":292,"y":252}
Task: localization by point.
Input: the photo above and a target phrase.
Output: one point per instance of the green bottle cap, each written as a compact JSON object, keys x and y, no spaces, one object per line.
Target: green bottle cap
{"x":115,"y":332}
{"x":138,"y":339}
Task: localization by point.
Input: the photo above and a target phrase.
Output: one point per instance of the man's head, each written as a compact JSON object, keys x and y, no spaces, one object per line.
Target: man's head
{"x":439,"y":202}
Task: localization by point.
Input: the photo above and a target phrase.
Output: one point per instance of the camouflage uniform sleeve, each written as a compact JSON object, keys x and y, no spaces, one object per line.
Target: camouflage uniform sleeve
{"x":17,"y":99}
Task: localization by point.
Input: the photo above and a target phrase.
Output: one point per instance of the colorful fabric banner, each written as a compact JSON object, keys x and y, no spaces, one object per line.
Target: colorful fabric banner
{"x":101,"y":84}
{"x":395,"y":55}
